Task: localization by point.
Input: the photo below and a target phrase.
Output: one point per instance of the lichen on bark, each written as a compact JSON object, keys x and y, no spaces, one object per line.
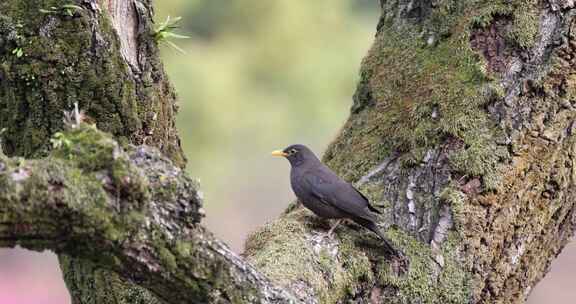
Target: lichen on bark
{"x":68,"y":59}
{"x":49,"y":61}
{"x":82,"y":209}
{"x":458,"y":103}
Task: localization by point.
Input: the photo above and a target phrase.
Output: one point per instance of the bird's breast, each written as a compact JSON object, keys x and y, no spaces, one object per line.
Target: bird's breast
{"x":306,"y":196}
{"x":297,"y":184}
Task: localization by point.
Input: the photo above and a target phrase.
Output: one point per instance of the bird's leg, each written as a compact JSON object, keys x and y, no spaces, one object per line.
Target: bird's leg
{"x":334,"y":227}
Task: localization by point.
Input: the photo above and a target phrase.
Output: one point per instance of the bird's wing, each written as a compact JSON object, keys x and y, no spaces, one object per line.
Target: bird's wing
{"x":368,"y":201}
{"x":332,"y":190}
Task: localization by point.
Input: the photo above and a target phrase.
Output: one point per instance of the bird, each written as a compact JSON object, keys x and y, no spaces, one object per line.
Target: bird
{"x":326,"y":194}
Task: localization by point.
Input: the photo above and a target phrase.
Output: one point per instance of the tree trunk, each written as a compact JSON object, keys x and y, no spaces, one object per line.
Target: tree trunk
{"x":104,"y":58}
{"x":461,"y":133}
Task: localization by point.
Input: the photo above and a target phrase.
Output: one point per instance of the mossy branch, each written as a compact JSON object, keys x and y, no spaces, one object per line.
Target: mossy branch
{"x":132,"y":212}
{"x":462,"y":133}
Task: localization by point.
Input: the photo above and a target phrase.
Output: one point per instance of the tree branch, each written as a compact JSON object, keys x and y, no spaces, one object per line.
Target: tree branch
{"x":131,"y":212}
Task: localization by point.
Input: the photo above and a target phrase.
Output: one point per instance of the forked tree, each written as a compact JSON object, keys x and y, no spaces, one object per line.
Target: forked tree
{"x":461,"y":132}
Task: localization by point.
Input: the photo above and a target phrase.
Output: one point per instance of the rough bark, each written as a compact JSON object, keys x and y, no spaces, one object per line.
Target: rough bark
{"x":103,"y":58}
{"x":461,"y":132}
{"x":134,"y":213}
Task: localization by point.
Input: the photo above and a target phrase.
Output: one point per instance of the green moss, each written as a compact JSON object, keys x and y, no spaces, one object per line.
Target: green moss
{"x":478,"y":158}
{"x":356,"y":259}
{"x":412,"y":158}
{"x":526,"y":22}
{"x":493,"y":180}
{"x":287,"y":255}
{"x":89,"y":189}
{"x":282,"y":251}
{"x":86,"y":146}
{"x":183,"y":249}
{"x":167,"y":258}
{"x":93,"y":150}
{"x":76,"y":59}
{"x":457,"y":200}
{"x":485,"y":14}
{"x":411,"y":112}
{"x":135,"y":218}
{"x":167,"y":191}
{"x":73,"y":186}
{"x":131,"y":184}
{"x":449,"y":285}
{"x":61,"y":66}
{"x":82,"y":287}
{"x":523,"y":15}
{"x":374,"y":192}
{"x":422,"y":84}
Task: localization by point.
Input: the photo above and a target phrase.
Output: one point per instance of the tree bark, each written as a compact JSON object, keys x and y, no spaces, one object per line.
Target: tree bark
{"x":461,"y":133}
{"x":102,"y":57}
{"x":134,"y":213}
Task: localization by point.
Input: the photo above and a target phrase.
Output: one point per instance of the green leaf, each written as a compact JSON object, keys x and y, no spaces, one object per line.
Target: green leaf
{"x":72,"y":6}
{"x":18,"y":52}
{"x":174,"y":46}
{"x":45,"y":11}
{"x":175,"y":36}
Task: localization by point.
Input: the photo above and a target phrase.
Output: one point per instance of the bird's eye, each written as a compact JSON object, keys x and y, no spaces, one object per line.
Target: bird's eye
{"x":293,"y":151}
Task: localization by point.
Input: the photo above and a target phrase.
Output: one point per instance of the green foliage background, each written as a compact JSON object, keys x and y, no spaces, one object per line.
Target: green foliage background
{"x":257,"y":76}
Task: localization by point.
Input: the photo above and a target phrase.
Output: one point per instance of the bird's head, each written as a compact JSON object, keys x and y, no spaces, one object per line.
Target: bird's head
{"x":297,"y":155}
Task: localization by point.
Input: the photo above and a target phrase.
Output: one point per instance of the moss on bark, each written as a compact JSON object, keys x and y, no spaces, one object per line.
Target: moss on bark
{"x":49,"y":61}
{"x":77,"y":208}
{"x":68,"y":59}
{"x":458,"y":104}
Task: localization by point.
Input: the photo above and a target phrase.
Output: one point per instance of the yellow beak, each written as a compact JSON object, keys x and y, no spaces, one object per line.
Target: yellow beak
{"x":279,"y":153}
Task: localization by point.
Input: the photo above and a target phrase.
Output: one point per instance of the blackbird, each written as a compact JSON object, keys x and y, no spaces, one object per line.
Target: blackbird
{"x":327,"y":195}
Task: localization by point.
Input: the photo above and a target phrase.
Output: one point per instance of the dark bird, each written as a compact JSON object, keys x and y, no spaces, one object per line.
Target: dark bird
{"x":327,"y":195}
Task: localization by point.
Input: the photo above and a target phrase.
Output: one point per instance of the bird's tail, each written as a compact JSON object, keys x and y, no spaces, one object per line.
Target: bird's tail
{"x":372,"y":227}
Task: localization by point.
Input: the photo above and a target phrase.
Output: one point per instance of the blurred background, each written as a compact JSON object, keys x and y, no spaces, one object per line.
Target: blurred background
{"x":257,"y":76}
